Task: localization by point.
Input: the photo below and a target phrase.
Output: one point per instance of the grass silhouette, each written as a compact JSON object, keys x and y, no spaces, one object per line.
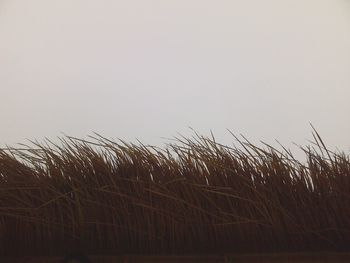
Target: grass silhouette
{"x":193,"y":196}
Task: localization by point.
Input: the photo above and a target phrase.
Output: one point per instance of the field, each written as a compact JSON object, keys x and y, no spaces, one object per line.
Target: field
{"x":194,"y":197}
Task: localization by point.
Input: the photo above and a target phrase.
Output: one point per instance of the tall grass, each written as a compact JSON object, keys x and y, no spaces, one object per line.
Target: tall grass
{"x":194,"y":196}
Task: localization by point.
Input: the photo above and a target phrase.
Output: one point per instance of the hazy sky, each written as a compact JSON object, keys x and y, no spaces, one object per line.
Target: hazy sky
{"x":148,"y":69}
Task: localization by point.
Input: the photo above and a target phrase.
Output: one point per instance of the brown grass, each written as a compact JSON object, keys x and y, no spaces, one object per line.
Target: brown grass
{"x":195,"y":196}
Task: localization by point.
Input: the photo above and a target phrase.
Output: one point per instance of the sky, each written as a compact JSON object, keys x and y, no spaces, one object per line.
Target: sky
{"x":150,"y":69}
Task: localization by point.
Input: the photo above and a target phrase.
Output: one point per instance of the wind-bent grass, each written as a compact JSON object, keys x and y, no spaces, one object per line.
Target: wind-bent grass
{"x":195,"y":196}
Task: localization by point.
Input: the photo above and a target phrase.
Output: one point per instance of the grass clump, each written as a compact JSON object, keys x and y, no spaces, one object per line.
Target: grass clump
{"x":194,"y":196}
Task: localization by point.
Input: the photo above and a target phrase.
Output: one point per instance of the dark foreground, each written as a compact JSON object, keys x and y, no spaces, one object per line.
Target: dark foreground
{"x":195,"y":196}
{"x":275,"y":258}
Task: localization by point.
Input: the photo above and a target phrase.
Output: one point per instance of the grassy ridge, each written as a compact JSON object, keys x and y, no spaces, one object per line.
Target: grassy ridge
{"x":195,"y":196}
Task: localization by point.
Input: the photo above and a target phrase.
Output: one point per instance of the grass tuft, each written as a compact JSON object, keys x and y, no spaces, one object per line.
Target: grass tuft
{"x":194,"y":196}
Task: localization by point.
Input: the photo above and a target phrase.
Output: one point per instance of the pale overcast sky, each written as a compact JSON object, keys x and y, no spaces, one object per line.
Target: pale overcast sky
{"x":148,"y":69}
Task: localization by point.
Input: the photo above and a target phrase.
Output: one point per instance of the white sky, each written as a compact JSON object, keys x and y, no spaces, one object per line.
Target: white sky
{"x":148,"y":69}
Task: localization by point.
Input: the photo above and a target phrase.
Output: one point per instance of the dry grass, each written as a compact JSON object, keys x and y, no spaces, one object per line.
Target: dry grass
{"x":195,"y":196}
